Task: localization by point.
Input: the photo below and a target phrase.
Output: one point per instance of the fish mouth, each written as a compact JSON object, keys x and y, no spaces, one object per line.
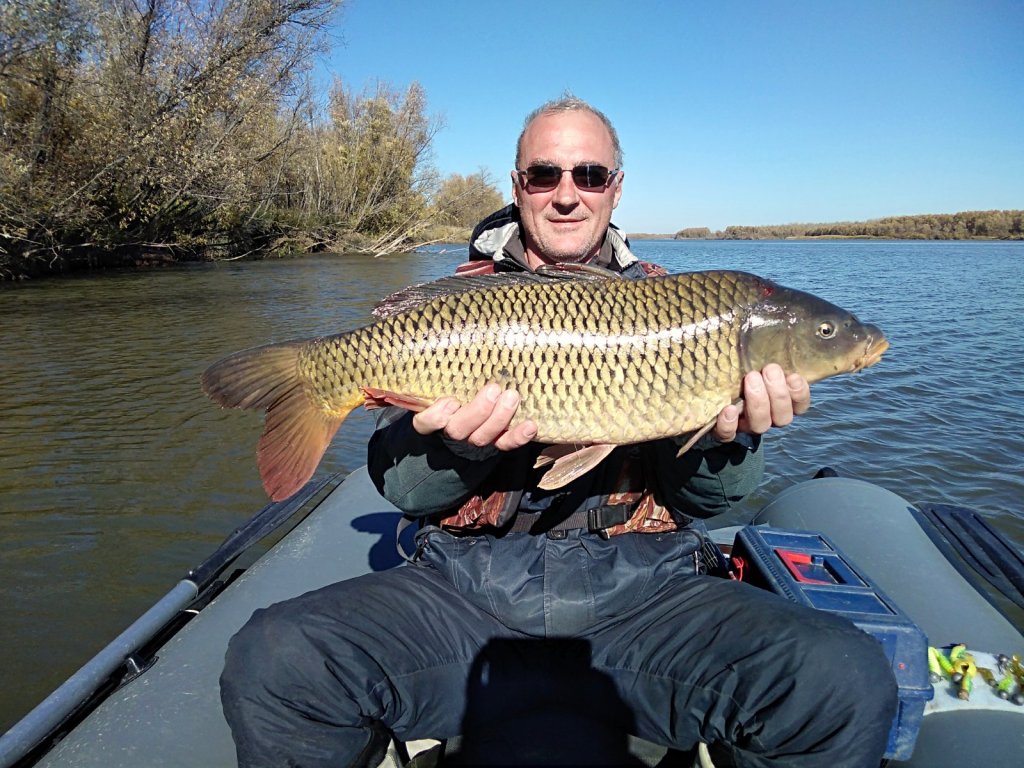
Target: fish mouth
{"x":874,"y":349}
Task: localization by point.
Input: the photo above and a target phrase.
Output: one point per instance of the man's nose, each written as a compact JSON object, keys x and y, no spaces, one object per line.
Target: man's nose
{"x":566,"y":192}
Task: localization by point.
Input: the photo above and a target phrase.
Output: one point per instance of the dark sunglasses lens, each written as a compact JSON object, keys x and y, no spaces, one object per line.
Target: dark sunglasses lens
{"x":543,"y":176}
{"x":590,"y":175}
{"x":584,"y":176}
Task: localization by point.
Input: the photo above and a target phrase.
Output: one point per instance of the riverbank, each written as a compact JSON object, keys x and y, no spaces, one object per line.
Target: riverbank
{"x":964,"y":225}
{"x":644,"y":236}
{"x":281,"y":242}
{"x":267,"y":246}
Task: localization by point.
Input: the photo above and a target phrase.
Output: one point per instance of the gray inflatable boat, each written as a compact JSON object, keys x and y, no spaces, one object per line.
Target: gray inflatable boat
{"x":151,"y":697}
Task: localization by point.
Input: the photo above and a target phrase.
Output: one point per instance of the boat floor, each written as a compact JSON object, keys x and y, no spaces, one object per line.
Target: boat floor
{"x":171,"y":714}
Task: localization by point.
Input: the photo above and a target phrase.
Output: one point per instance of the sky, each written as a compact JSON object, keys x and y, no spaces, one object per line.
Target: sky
{"x":729,"y":112}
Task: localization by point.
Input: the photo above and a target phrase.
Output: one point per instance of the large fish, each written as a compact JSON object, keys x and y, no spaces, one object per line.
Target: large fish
{"x":598,"y":361}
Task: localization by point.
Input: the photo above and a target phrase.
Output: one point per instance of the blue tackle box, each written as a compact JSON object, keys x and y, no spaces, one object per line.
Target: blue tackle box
{"x":807,"y":568}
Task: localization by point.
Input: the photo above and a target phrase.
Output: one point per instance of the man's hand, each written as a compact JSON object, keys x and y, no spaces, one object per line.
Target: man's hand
{"x":770,"y":399}
{"x":482,"y":421}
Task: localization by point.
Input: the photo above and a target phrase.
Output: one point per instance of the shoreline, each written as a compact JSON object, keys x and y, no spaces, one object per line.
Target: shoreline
{"x":646,"y":237}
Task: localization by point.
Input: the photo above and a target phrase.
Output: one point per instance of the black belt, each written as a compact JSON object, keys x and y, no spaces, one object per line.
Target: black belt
{"x":598,"y":519}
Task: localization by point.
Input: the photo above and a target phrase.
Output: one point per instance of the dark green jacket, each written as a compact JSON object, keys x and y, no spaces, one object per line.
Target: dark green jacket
{"x":426,"y":475}
{"x":431,"y":475}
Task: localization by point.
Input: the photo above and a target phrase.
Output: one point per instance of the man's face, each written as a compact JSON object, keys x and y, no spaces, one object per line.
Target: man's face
{"x":565,"y":223}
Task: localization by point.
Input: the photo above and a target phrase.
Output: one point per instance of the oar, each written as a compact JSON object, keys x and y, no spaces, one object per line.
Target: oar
{"x":42,"y":721}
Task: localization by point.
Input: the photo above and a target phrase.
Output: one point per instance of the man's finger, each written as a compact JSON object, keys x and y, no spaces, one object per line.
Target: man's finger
{"x":504,"y":408}
{"x":757,"y":414}
{"x":727,"y":424}
{"x":474,"y":413}
{"x":799,"y":392}
{"x":517,"y":437}
{"x":435,"y":416}
{"x":779,"y":398}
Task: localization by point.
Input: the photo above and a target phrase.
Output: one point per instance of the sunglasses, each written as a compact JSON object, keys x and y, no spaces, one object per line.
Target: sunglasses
{"x":549,"y":176}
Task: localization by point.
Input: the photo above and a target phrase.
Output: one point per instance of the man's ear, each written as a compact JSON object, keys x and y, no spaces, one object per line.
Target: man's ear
{"x":515,"y":189}
{"x":618,"y":189}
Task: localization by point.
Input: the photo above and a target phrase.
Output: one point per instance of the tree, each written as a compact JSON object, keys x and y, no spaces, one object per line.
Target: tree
{"x":361,"y":167}
{"x":135,"y":124}
{"x":698,"y":233}
{"x":462,"y":201}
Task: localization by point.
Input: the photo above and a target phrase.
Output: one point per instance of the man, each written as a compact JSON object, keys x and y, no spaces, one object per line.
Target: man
{"x":568,"y":224}
{"x":609,"y":566}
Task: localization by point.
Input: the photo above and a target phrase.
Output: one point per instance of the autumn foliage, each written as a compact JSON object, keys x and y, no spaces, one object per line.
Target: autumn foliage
{"x":146,"y":130}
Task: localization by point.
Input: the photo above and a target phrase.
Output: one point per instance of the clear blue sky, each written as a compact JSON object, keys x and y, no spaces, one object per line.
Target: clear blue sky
{"x":728,"y":112}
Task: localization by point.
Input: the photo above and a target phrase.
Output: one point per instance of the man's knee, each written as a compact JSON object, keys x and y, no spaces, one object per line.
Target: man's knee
{"x":277,"y":653}
{"x":818,"y":691}
{"x":284,"y":698}
{"x":255,"y":655}
{"x":857,"y":668}
{"x":868,"y":678}
{"x":847,"y":691}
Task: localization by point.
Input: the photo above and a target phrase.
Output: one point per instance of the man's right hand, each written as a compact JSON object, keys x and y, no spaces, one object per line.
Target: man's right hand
{"x":483,"y":421}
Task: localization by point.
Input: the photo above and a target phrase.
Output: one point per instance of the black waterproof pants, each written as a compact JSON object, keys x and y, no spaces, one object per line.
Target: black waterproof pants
{"x":564,"y":644}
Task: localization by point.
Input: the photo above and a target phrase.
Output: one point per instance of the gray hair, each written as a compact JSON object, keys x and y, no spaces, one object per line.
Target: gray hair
{"x":569,"y":103}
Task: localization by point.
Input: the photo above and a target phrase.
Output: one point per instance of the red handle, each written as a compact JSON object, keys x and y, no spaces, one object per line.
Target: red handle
{"x":793,"y":561}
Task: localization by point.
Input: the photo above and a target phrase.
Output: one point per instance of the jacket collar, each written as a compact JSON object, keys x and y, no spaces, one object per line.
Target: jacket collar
{"x":498,"y":238}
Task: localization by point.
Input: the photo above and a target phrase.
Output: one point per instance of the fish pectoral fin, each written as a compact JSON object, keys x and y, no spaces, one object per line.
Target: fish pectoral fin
{"x":566,"y":468}
{"x":382,"y":398}
{"x":739,"y":403}
{"x":554,"y":452}
{"x":695,"y":437}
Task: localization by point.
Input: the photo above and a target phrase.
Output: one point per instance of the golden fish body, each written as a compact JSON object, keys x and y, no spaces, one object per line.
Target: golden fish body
{"x":611,"y":361}
{"x":595,"y":361}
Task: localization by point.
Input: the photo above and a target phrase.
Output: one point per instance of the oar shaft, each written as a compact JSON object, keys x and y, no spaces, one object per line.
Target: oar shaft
{"x":49,"y":714}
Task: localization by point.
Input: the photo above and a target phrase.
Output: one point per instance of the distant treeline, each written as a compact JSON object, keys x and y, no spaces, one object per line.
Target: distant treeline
{"x":165,"y":130}
{"x":967,"y":225}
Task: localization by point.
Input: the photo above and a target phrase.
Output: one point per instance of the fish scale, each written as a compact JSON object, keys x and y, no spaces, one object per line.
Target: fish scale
{"x":579,"y":353}
{"x":595,"y":361}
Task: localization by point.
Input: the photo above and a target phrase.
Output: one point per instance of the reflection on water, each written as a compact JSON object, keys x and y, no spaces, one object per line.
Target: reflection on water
{"x":117,"y":474}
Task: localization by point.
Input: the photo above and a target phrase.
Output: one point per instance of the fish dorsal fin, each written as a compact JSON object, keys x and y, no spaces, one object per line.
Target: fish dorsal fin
{"x":578,"y":272}
{"x":418,"y":295}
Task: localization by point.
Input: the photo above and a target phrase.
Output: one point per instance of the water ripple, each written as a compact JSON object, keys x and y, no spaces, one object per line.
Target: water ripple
{"x":117,"y":474}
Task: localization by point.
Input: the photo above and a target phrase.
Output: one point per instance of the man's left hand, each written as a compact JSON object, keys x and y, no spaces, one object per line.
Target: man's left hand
{"x":771,"y":399}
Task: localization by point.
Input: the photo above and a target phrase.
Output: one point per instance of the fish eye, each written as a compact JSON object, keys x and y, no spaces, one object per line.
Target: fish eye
{"x":826,"y":330}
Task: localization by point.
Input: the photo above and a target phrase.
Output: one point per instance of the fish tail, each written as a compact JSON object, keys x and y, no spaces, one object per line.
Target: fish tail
{"x":297,"y":429}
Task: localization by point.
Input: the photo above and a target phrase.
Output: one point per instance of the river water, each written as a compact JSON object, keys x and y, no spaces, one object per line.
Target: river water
{"x":117,"y":474}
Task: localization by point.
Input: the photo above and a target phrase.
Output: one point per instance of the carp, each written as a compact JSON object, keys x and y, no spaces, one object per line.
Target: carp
{"x":598,"y":360}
